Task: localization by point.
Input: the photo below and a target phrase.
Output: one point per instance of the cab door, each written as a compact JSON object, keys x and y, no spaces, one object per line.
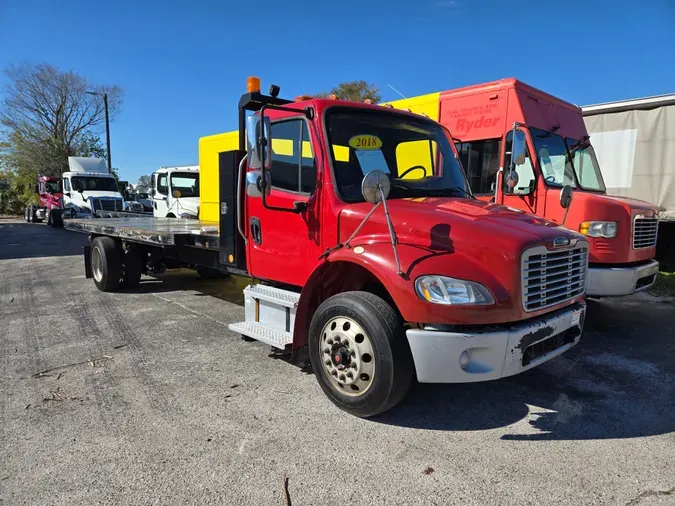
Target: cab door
{"x":285,"y":246}
{"x":523,"y":195}
{"x":160,"y":194}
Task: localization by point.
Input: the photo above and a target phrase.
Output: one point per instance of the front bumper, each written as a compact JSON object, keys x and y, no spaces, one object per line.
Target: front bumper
{"x":463,"y":357}
{"x":614,"y":281}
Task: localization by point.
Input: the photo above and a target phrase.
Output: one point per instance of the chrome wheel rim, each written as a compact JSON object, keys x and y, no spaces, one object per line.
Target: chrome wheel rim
{"x":96,"y":264}
{"x":347,"y":356}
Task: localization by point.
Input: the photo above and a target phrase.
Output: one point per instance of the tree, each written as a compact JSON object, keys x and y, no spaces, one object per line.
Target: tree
{"x":144,"y":181}
{"x":50,"y":116}
{"x":357,"y":91}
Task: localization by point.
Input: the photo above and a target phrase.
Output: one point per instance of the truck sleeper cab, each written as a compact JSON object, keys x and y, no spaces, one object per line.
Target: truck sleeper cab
{"x":621,"y":231}
{"x":374,"y":264}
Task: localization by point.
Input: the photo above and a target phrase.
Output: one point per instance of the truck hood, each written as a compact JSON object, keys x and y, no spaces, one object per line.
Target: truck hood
{"x":456,"y":237}
{"x":474,"y":222}
{"x":183,"y":204}
{"x":92,"y":193}
{"x":612,"y":201}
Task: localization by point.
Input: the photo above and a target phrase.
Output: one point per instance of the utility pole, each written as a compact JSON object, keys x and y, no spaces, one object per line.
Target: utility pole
{"x":107,"y":127}
{"x":107,"y":132}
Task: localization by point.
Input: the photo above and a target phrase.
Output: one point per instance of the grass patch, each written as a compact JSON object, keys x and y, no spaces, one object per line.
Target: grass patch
{"x":665,"y":285}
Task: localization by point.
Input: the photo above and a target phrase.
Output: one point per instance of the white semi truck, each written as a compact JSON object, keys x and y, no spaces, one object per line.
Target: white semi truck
{"x":88,"y":187}
{"x":175,"y":192}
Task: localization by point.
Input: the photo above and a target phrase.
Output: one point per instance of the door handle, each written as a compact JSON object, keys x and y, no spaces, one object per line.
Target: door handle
{"x":256,"y":230}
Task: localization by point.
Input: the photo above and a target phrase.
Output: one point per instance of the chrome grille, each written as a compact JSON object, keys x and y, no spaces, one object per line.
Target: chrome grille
{"x":110,"y":205}
{"x":644,"y":232}
{"x":551,"y":277}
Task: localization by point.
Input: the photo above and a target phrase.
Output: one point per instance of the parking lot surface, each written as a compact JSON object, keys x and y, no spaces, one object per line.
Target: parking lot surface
{"x":146,"y":397}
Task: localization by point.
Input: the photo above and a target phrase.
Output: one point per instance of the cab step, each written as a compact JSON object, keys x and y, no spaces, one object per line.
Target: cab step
{"x":259,"y":332}
{"x":269,"y":315}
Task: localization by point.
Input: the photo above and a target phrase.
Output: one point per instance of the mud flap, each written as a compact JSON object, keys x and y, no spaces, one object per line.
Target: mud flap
{"x":87,"y":261}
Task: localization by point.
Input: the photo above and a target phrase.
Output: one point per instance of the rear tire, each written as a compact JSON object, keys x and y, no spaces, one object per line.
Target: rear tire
{"x":25,"y":214}
{"x":106,"y":263}
{"x":360,"y":354}
{"x":31,"y":214}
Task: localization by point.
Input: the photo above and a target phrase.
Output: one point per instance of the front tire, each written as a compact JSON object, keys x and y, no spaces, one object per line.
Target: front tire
{"x":360,"y":354}
{"x":31,"y":214}
{"x":106,"y":263}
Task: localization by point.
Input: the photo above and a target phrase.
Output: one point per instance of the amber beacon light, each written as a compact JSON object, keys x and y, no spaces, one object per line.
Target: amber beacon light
{"x":253,"y":84}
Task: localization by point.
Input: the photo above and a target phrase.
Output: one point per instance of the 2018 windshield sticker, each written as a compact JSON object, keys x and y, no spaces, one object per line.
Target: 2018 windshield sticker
{"x":365,"y":141}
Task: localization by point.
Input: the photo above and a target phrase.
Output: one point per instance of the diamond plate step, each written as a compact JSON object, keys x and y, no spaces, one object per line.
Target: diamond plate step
{"x":263,"y":334}
{"x":271,"y":294}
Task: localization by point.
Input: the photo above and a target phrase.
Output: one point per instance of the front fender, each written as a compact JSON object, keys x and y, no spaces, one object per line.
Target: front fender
{"x":373,"y":264}
{"x":378,"y":258}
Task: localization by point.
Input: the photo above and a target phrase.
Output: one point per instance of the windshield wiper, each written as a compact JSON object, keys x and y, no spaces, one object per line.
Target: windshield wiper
{"x":576,"y":145}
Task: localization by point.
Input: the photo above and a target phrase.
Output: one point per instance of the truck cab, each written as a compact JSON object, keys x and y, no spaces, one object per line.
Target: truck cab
{"x":49,"y":191}
{"x":558,"y":152}
{"x":88,"y":187}
{"x":175,"y":192}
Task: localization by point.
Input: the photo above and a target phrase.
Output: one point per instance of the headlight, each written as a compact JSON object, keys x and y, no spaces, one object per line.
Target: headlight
{"x":598,"y":229}
{"x":188,"y":216}
{"x":451,"y":291}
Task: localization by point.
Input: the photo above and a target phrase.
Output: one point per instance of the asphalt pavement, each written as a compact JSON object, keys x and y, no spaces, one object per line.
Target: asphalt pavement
{"x":146,"y":397}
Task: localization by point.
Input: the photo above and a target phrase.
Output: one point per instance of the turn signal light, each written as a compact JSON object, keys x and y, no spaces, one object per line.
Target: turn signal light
{"x":253,"y":84}
{"x":302,"y":98}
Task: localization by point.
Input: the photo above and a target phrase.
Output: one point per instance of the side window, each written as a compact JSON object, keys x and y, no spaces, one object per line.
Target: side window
{"x":66,"y":184}
{"x":526,"y":177}
{"x":162,"y":184}
{"x":481,"y":163}
{"x":293,"y":167}
{"x":414,"y":156}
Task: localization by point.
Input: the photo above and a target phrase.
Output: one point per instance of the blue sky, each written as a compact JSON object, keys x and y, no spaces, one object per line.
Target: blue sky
{"x":183,"y":64}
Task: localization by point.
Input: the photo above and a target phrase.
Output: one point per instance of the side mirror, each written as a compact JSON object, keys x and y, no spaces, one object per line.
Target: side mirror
{"x":518,"y":148}
{"x":152,"y":192}
{"x":259,"y":142}
{"x":566,"y":196}
{"x":37,"y":188}
{"x":510,"y":180}
{"x":176,"y":194}
{"x":375,"y":186}
{"x":254,"y":186}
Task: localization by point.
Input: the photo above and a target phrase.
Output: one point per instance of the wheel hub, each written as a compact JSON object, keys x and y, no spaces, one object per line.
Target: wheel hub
{"x":348,"y":356}
{"x":341,"y":357}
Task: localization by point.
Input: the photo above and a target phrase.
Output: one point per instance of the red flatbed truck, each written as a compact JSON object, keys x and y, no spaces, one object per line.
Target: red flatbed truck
{"x":373,"y":277}
{"x":482,"y":118}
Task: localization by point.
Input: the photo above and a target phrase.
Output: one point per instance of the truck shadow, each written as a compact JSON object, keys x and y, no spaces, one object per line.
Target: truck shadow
{"x":229,"y":289}
{"x":35,"y":240}
{"x":619,"y":382}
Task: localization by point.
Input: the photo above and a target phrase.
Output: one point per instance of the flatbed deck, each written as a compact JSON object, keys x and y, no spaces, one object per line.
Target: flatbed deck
{"x":150,"y":230}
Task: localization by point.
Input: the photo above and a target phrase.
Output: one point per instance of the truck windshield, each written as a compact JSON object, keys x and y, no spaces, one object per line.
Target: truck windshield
{"x":416,"y":153}
{"x":567,"y":161}
{"x":99,"y":184}
{"x":53,"y":186}
{"x":554,"y":161}
{"x":187,"y":183}
{"x":585,"y":165}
